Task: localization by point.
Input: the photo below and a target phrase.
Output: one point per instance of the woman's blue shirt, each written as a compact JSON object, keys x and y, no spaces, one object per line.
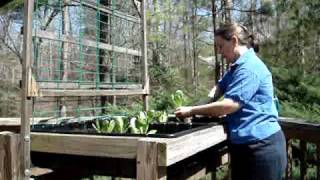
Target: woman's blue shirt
{"x":249,"y":82}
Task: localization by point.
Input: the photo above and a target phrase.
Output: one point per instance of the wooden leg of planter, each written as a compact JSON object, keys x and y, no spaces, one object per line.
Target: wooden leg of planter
{"x":9,"y":156}
{"x":147,"y":162}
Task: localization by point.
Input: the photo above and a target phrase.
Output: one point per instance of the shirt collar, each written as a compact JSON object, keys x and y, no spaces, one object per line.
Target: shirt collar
{"x":242,"y":58}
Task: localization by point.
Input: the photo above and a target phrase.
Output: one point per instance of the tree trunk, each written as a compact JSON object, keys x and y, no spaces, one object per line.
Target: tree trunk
{"x":228,"y":6}
{"x":156,"y":51}
{"x":217,"y":62}
{"x":64,"y":56}
{"x":278,"y":30}
{"x":103,"y":65}
{"x":185,"y":41}
{"x":252,"y":15}
{"x":194,"y":46}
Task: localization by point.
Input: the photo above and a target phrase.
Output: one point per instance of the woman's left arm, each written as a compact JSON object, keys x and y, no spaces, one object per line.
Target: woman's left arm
{"x":220,"y":108}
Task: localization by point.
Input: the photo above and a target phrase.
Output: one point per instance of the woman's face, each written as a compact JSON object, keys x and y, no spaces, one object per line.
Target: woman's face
{"x":226,"y":48}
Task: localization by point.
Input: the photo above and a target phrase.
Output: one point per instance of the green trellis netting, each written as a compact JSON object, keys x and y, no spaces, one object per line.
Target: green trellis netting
{"x":85,"y":44}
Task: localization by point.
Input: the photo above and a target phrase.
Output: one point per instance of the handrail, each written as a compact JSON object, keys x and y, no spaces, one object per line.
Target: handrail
{"x":306,"y":133}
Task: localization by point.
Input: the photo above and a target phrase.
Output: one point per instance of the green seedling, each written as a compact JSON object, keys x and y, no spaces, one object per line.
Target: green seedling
{"x":117,"y":124}
{"x":140,"y":123}
{"x":105,"y":126}
{"x":178,"y":99}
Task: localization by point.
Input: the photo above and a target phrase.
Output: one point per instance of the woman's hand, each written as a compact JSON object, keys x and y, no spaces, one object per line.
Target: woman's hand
{"x":183,"y":111}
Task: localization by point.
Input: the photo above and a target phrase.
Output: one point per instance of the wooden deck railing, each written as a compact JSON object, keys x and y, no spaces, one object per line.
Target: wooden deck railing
{"x":298,"y":131}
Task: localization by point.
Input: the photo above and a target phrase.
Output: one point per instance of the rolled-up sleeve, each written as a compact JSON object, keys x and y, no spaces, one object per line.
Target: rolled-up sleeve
{"x":243,"y":86}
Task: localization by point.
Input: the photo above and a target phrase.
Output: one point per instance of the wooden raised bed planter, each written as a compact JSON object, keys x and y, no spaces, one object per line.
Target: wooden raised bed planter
{"x":151,"y":157}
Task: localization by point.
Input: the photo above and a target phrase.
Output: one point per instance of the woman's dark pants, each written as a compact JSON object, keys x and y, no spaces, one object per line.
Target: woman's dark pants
{"x":262,"y":160}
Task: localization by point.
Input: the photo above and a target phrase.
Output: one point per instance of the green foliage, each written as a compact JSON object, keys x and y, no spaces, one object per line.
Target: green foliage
{"x":299,"y":94}
{"x":266,"y":8}
{"x":140,"y":123}
{"x":13,"y":5}
{"x":136,"y":124}
{"x":104,"y":126}
{"x":116,"y":124}
{"x":178,"y":99}
{"x":123,"y":110}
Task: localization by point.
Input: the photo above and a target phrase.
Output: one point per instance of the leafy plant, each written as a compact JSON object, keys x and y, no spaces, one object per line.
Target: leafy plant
{"x":140,"y":123}
{"x":178,"y":99}
{"x":105,"y":126}
{"x":118,"y":124}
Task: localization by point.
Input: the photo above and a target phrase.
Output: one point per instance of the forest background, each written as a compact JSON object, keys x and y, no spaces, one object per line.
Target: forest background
{"x":181,"y":53}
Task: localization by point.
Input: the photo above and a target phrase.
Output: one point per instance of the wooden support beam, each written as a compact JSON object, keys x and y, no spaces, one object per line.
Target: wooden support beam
{"x":87,"y":42}
{"x":303,"y":160}
{"x":59,"y":93}
{"x":64,"y":85}
{"x":9,"y":156}
{"x":26,"y":101}
{"x":147,"y":161}
{"x":109,"y":11}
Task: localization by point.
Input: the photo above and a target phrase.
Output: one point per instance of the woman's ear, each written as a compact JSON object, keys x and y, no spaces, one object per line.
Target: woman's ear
{"x":234,"y":40}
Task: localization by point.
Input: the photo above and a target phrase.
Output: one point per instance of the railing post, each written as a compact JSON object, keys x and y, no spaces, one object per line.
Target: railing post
{"x":318,"y":161}
{"x":303,"y":160}
{"x":9,"y":156}
{"x":290,"y":160}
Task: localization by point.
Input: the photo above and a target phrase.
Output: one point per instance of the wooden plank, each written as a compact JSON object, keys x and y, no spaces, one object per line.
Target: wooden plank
{"x":55,"y":93}
{"x":147,"y":161}
{"x":9,"y":156}
{"x":64,"y":85}
{"x":296,"y":130}
{"x":86,"y":145}
{"x":176,"y":149}
{"x":16,"y":121}
{"x":86,"y":42}
{"x":109,"y":11}
{"x":303,"y":160}
{"x":25,"y":100}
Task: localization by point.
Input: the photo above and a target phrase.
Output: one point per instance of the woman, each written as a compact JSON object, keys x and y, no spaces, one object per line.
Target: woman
{"x":257,"y":143}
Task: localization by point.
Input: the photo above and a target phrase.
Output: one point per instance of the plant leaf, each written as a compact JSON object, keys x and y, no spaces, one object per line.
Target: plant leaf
{"x":152,"y":131}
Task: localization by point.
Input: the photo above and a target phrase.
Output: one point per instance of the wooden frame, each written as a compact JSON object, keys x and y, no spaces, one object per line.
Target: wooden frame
{"x":26,"y":100}
{"x":152,"y":155}
{"x":61,"y":93}
{"x":89,"y":43}
{"x":30,"y":89}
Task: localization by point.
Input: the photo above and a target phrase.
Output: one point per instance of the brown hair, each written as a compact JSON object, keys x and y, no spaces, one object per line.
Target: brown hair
{"x":226,"y":31}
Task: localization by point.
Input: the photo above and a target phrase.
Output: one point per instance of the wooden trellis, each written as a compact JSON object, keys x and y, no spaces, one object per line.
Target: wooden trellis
{"x":81,"y":62}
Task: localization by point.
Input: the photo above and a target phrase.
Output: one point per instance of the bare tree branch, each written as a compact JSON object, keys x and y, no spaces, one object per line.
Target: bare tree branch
{"x":6,"y":38}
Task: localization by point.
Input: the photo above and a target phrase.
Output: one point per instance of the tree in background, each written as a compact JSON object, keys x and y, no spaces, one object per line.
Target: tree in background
{"x":180,"y":31}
